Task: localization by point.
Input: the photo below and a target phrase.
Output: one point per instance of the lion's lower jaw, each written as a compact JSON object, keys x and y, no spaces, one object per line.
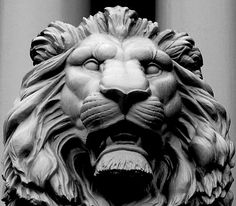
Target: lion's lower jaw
{"x":123,"y":176}
{"x":123,"y":160}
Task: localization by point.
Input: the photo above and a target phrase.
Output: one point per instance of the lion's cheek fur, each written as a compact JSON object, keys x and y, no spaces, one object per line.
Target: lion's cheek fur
{"x":165,"y":88}
{"x":174,"y":106}
{"x":70,"y":103}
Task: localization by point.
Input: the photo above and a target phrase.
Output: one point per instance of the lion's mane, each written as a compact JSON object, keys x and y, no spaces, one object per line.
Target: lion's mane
{"x":45,"y":158}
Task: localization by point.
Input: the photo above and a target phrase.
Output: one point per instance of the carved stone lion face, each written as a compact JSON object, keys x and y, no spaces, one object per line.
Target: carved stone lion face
{"x":116,"y":113}
{"x":123,"y":93}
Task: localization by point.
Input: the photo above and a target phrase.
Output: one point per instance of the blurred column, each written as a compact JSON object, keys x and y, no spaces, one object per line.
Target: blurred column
{"x":212,"y":26}
{"x":20,"y":22}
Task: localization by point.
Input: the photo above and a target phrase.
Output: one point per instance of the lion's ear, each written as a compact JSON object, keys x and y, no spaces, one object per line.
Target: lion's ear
{"x":181,"y":48}
{"x":57,"y":38}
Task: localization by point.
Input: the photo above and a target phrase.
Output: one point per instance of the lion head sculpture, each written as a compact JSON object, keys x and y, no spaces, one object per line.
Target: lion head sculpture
{"x":116,"y":112}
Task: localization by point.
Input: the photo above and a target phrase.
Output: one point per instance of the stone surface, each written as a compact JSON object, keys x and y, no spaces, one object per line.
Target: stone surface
{"x":116,"y":112}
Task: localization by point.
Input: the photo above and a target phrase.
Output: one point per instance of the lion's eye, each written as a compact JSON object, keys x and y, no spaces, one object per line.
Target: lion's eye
{"x":91,"y":64}
{"x":153,"y":68}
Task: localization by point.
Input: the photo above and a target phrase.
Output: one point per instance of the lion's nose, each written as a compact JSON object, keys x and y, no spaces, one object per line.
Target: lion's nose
{"x":125,"y":100}
{"x":124,"y":83}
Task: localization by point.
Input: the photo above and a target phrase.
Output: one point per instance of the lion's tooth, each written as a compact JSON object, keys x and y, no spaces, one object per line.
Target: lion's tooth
{"x":109,"y":141}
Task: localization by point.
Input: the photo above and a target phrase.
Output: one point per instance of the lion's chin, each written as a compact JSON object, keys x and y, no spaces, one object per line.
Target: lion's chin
{"x":124,"y":173}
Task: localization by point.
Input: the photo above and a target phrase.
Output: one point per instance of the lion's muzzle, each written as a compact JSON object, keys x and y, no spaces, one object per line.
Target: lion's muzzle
{"x":99,"y":112}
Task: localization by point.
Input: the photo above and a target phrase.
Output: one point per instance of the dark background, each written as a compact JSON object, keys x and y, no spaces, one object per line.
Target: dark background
{"x":144,"y":9}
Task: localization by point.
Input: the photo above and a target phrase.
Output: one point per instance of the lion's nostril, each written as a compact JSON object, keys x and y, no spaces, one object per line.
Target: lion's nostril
{"x":125,"y":100}
{"x":138,"y":95}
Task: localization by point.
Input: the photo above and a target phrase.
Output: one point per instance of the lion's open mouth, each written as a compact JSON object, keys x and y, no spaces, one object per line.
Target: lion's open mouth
{"x":123,"y":149}
{"x":123,"y":161}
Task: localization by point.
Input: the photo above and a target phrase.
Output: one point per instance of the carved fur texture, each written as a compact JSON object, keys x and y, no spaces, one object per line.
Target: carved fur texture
{"x":49,"y":157}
